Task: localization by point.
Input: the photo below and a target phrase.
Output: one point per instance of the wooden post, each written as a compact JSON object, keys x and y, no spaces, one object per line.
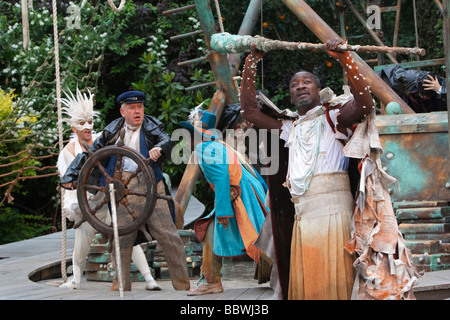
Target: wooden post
{"x":227,"y":93}
{"x":218,"y":62}
{"x":315,"y":23}
{"x":247,"y":26}
{"x":25,"y":26}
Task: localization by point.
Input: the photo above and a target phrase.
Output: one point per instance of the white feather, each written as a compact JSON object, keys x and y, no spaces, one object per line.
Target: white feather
{"x":195,"y":114}
{"x":79,"y":108}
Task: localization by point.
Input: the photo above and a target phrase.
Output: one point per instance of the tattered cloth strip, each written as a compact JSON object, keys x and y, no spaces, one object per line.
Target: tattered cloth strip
{"x":383,"y":263}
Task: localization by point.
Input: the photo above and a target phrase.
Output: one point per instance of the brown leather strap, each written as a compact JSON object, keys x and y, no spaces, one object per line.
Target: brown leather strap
{"x":330,"y":122}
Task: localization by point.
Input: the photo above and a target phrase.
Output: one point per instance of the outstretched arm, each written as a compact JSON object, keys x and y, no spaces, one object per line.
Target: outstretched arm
{"x":355,"y":110}
{"x":249,"y":103}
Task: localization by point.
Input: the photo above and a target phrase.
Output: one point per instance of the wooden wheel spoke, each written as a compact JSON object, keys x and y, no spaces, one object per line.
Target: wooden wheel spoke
{"x":136,"y":193}
{"x":101,"y":204}
{"x":103,"y":171}
{"x":118,"y":167}
{"x":92,"y":187}
{"x":119,"y":161}
{"x":130,"y":210}
{"x":132,"y":176}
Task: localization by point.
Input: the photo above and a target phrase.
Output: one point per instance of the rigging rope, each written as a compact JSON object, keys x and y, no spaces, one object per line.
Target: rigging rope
{"x":60,"y":137}
{"x":219,"y":15}
{"x":262,"y":35}
{"x":113,"y":6}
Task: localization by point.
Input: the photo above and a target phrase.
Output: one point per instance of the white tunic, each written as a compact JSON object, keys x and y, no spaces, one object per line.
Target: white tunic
{"x":70,"y":200}
{"x":313,"y":148}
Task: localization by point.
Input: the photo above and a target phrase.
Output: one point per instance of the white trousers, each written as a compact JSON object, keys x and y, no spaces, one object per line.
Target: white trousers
{"x":84,"y":235}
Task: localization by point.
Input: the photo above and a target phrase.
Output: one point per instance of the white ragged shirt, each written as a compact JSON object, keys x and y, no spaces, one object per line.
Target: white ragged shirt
{"x":313,"y":148}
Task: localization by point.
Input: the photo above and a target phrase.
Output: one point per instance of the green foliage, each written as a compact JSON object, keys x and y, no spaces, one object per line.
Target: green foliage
{"x":166,"y":97}
{"x":16,"y":226}
{"x":430,"y":32}
{"x":11,"y":158}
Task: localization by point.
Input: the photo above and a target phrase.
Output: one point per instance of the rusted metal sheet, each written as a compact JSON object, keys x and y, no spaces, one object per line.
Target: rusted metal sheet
{"x":416,"y":153}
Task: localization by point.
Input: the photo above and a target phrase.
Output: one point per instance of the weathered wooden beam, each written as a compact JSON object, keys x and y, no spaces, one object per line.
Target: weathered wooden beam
{"x":192,"y":61}
{"x":419,"y":204}
{"x":230,"y":43}
{"x":427,"y":228}
{"x":324,"y":32}
{"x":25,"y":26}
{"x":372,"y":34}
{"x":248,"y":24}
{"x":431,"y":262}
{"x":421,"y":246}
{"x":219,"y":62}
{"x":185,"y":35}
{"x":207,"y":84}
{"x":191,"y":6}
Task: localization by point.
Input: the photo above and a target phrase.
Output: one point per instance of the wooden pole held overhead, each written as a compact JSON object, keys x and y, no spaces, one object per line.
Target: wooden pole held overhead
{"x":230,"y":43}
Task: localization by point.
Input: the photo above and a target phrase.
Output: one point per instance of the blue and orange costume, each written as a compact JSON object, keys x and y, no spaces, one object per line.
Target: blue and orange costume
{"x":239,"y":196}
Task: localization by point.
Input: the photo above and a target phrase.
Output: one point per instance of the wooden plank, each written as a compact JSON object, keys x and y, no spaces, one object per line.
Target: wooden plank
{"x":251,"y":294}
{"x":231,"y":294}
{"x":423,"y":213}
{"x":427,"y":236}
{"x":431,"y":262}
{"x":424,"y":228}
{"x":419,"y":204}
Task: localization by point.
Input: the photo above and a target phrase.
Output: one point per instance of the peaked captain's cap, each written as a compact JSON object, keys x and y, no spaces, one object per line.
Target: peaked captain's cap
{"x":131,"y":97}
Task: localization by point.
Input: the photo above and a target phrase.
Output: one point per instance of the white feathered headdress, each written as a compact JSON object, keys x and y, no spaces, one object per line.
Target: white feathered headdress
{"x":79,"y":109}
{"x":195,"y":116}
